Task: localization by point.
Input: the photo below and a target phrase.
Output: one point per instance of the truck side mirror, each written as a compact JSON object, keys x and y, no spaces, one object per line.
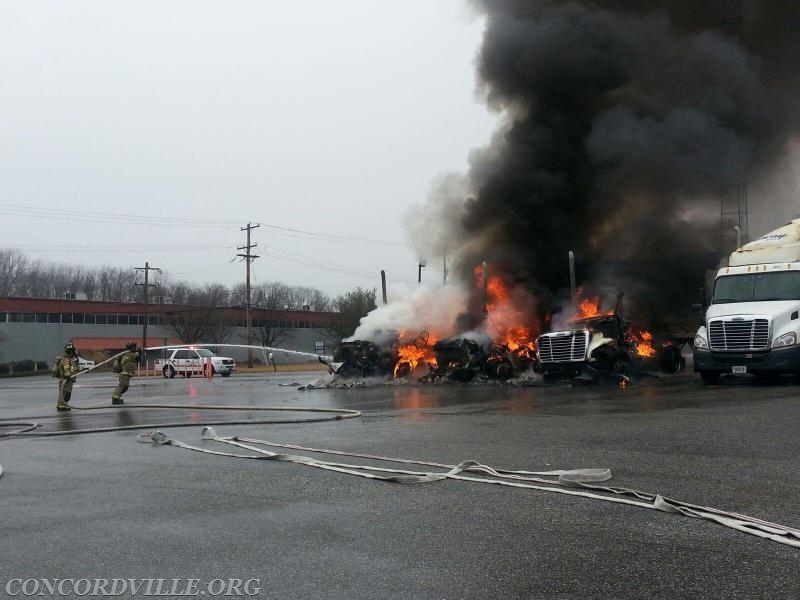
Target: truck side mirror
{"x":703,"y":300}
{"x":699,"y":310}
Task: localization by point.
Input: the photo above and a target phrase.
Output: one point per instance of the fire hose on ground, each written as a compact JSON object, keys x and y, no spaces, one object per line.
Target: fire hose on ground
{"x":579,"y":482}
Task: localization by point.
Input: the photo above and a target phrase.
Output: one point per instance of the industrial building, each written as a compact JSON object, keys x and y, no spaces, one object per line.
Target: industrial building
{"x":37,"y":328}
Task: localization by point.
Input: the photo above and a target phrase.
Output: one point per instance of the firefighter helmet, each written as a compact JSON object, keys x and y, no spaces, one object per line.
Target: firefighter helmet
{"x":70,"y":349}
{"x":131,"y":345}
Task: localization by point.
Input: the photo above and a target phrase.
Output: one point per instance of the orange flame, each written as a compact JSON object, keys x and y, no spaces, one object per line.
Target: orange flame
{"x":589,"y":307}
{"x":409,"y":356}
{"x":644,"y":344}
{"x":511,"y":320}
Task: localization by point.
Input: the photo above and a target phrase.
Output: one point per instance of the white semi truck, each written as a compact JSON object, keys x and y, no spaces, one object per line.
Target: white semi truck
{"x":753,"y":322}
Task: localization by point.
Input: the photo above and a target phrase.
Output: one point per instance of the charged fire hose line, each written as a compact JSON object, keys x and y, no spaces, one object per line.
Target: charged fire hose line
{"x":173,"y":346}
{"x":23,"y":427}
{"x":27,"y":429}
{"x":254,"y":347}
{"x":98,"y":365}
{"x":743,"y":523}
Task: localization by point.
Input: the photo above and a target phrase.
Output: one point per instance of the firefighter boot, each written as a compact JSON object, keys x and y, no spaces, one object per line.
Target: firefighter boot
{"x":63,"y":401}
{"x":116,"y":401}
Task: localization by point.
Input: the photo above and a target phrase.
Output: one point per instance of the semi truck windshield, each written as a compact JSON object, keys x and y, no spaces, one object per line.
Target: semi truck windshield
{"x":755,"y":287}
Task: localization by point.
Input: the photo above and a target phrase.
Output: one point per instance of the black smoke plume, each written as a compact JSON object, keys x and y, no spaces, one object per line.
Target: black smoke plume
{"x":624,"y":121}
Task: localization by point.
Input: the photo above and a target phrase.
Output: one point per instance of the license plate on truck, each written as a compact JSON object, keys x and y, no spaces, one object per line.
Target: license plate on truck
{"x":739,"y":370}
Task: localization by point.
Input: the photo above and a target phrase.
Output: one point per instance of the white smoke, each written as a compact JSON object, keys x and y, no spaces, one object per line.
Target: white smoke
{"x":434,"y":228}
{"x":412,"y":310}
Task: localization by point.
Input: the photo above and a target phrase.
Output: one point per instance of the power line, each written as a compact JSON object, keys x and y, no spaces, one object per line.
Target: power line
{"x":182,"y":221}
{"x":317,"y":263}
{"x":108,"y":248}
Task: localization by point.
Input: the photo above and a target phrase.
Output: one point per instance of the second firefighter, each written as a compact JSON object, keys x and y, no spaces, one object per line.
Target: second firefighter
{"x":125,"y":366}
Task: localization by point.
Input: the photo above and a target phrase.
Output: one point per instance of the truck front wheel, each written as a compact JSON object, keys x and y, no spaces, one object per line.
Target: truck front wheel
{"x":710,"y":377}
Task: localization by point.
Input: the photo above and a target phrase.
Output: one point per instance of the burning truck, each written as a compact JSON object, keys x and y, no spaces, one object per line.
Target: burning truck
{"x":497,"y":338}
{"x":602,"y":343}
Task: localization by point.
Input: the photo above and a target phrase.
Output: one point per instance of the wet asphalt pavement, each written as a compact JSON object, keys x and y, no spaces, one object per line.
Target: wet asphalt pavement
{"x":104,"y":506}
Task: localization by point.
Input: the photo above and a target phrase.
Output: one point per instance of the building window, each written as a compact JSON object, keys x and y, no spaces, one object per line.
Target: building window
{"x":122,"y":320}
{"x":152,"y":320}
{"x":77,"y":317}
{"x":41,"y":317}
{"x":111,"y":319}
{"x":29,"y":317}
{"x":54,"y":317}
{"x":66,"y":318}
{"x":100,"y":319}
{"x":3,"y":317}
{"x":89,"y":319}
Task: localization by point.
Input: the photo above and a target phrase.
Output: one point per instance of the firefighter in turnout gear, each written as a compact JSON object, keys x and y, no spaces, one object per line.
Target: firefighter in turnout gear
{"x":65,"y":369}
{"x":125,"y":366}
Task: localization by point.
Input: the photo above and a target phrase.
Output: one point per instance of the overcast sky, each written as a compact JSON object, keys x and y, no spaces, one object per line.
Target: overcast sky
{"x":153,"y":131}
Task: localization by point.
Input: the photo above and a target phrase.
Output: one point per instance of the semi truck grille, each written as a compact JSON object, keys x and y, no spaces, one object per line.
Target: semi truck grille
{"x":745,"y":334}
{"x":561,"y":347}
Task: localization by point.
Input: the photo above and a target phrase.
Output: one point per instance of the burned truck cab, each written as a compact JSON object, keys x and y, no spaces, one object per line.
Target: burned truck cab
{"x":458,"y":359}
{"x":362,"y":358}
{"x":595,"y":344}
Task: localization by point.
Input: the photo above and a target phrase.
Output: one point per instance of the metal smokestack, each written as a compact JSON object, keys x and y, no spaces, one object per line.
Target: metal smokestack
{"x":383,"y":286}
{"x":485,"y":287}
{"x":572,"y":285}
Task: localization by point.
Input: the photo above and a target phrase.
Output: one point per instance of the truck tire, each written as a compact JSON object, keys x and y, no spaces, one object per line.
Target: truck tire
{"x":228,"y":374}
{"x":169,"y":372}
{"x":710,"y":377}
{"x":671,"y":359}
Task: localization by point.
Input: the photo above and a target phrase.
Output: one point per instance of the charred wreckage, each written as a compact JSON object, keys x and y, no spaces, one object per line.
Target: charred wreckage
{"x":591,"y":348}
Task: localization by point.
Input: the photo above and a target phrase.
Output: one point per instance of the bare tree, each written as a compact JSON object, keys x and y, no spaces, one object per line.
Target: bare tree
{"x":207,"y":319}
{"x":12,"y":265}
{"x":269,"y":302}
{"x":201,"y":324}
{"x":22,"y":277}
{"x":320,"y":301}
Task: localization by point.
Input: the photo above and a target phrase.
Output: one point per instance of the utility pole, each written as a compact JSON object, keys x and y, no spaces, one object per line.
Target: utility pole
{"x":146,"y":285}
{"x":421,"y":265}
{"x":248,"y":258}
{"x":734,"y":199}
{"x":444,"y":269}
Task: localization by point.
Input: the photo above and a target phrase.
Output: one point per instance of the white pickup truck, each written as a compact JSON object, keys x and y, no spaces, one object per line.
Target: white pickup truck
{"x":193,"y":361}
